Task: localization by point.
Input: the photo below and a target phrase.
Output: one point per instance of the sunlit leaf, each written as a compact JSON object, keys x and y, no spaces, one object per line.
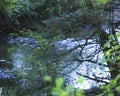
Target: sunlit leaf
{"x":118,"y":58}
{"x":59,"y":81}
{"x":81,"y":80}
{"x":102,"y":87}
{"x":48,"y":78}
{"x":102,"y":1}
{"x":111,"y":94}
{"x":108,"y":88}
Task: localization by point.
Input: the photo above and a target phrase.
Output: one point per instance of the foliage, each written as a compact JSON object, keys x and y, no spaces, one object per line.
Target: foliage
{"x":8,"y":4}
{"x":26,"y":7}
{"x":41,"y":63}
{"x":61,"y":90}
{"x":113,"y":88}
{"x":38,"y":64}
{"x":112,"y":47}
{"x":101,"y":1}
{"x":46,"y":8}
{"x":112,"y":55}
{"x":43,"y":60}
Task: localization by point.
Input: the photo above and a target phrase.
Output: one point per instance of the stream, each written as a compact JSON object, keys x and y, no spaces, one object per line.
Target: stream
{"x":19,"y":64}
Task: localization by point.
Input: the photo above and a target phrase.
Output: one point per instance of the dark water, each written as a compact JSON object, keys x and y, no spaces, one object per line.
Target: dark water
{"x":6,"y":76}
{"x":4,"y":55}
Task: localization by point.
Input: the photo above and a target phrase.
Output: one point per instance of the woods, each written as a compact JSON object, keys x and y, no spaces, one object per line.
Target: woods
{"x":58,"y":37}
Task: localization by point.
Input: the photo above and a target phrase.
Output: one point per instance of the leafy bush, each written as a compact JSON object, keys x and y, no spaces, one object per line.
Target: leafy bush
{"x":113,"y":88}
{"x":112,"y":55}
{"x":61,"y":90}
{"x":7,"y":4}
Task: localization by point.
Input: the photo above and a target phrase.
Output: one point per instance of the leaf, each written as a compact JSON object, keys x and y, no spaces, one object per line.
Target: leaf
{"x":80,"y":93}
{"x":102,"y":87}
{"x":102,"y":1}
{"x":108,"y":88}
{"x":106,"y":45}
{"x":108,"y":52}
{"x":69,"y":89}
{"x":65,"y":93}
{"x":118,"y":58}
{"x":110,"y":94}
{"x":47,"y":78}
{"x":118,"y":89}
{"x":81,"y":80}
{"x":118,"y":35}
{"x":59,"y":82}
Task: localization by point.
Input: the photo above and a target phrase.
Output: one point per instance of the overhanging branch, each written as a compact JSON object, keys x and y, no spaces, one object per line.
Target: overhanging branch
{"x":90,"y":61}
{"x":97,"y":80}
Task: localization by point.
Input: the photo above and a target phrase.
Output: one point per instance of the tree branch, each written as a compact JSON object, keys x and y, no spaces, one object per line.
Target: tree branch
{"x":90,"y":61}
{"x":97,"y":80}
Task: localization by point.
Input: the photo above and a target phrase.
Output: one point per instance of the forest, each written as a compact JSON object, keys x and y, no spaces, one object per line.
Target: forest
{"x":59,"y":47}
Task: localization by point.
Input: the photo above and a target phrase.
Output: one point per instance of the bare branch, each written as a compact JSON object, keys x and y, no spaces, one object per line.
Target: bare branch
{"x":97,"y":80}
{"x":94,"y":62}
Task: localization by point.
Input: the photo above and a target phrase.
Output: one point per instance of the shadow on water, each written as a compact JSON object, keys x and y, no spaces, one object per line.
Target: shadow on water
{"x":4,"y":55}
{"x":6,"y":76}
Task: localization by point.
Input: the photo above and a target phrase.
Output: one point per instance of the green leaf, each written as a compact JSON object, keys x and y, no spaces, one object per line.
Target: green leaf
{"x":47,"y":78}
{"x":80,"y":93}
{"x":102,"y":87}
{"x":59,"y":82}
{"x":118,"y":58}
{"x":81,"y":80}
{"x":106,"y":45}
{"x":69,"y":89}
{"x":118,"y":89}
{"x":111,"y":94}
{"x":65,"y":93}
{"x":102,"y":1}
{"x":118,"y":35}
{"x":108,"y":88}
